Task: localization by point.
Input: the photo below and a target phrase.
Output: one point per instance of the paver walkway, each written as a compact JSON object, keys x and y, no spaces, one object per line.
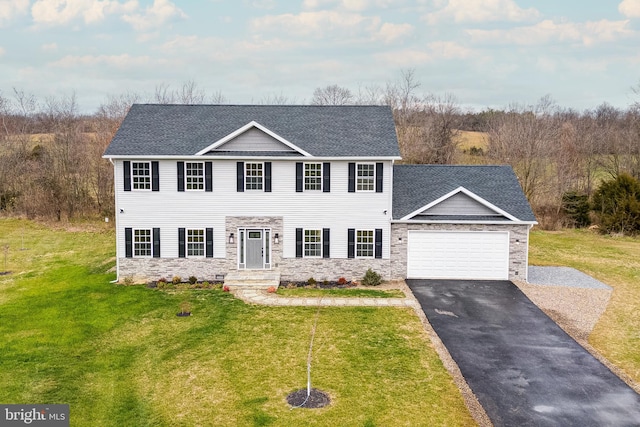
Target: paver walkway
{"x":265,"y":298}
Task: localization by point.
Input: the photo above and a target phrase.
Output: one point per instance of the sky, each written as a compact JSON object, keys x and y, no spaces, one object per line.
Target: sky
{"x":486,"y":53}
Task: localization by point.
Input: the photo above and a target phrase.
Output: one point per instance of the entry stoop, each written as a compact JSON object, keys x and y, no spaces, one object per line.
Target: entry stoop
{"x":252,"y":279}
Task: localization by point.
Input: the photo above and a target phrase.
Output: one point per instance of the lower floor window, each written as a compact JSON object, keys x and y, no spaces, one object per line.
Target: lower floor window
{"x":142,"y":242}
{"x":195,"y":242}
{"x":312,"y":243}
{"x":364,"y":243}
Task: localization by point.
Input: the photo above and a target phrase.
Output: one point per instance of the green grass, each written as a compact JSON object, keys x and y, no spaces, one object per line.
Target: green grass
{"x":614,"y":261}
{"x":341,"y":293}
{"x":121,"y":357}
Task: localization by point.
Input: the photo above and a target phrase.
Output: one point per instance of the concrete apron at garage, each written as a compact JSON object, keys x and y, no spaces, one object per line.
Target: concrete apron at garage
{"x":523,"y":368}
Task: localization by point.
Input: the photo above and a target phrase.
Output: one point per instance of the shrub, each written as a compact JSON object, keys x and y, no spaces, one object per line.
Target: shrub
{"x":176,"y":280}
{"x":325,"y":282}
{"x":617,"y":205}
{"x":342,"y":281}
{"x":291,"y":285}
{"x":205,"y":285}
{"x":371,"y":278}
{"x":216,"y":286}
{"x":576,"y":207}
{"x":193,"y":279}
{"x":127,"y":281}
{"x":311,"y":282}
{"x":185,"y":307}
{"x":162,"y":280}
{"x":225,"y":288}
{"x":271,"y":289}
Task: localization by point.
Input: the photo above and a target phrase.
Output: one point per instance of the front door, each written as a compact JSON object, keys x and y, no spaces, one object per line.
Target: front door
{"x":255,"y":249}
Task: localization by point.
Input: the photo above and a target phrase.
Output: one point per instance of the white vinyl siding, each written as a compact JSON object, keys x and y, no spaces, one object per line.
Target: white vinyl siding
{"x":141,"y":175}
{"x":308,"y":210}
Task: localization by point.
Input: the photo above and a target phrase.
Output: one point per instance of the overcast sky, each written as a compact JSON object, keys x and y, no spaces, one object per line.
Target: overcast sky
{"x":488,"y":53}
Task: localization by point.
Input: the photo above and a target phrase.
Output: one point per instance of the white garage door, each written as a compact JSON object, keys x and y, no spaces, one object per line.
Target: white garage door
{"x":458,"y":255}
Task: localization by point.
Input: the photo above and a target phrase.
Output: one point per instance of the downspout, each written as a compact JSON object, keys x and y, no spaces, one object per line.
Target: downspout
{"x":390,"y":213}
{"x":115,"y":214}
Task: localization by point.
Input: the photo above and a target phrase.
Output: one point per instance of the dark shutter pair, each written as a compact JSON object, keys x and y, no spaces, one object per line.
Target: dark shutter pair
{"x":352,"y":177}
{"x":128,"y":243}
{"x":155,"y":176}
{"x":351,"y":243}
{"x":208,"y":176}
{"x":326,"y":177}
{"x":182,"y":239}
{"x":266,"y":177}
{"x":326,"y":234}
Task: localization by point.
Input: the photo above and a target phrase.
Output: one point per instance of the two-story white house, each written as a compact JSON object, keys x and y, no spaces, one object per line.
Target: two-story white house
{"x":304,"y":191}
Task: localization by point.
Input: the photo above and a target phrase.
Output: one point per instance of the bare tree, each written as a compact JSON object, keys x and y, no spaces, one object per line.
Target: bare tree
{"x":332,"y":95}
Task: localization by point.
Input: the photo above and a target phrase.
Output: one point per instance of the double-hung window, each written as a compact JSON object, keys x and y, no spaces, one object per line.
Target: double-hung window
{"x":142,"y":243}
{"x":195,"y":242}
{"x":194,"y":176}
{"x":253,"y":176}
{"x":312,"y":243}
{"x":365,"y":177}
{"x":313,"y":176}
{"x":141,"y":175}
{"x":364,"y":243}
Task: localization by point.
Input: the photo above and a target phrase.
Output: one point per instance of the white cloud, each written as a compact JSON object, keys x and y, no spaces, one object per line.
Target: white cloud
{"x":630,"y":8}
{"x":347,"y":5}
{"x":547,"y":31}
{"x":482,"y":11}
{"x":11,"y":8}
{"x":1,"y":51}
{"x":154,"y":16}
{"x":50,"y":47}
{"x":435,"y":51}
{"x":122,"y":62}
{"x":60,"y":12}
{"x":388,"y":33}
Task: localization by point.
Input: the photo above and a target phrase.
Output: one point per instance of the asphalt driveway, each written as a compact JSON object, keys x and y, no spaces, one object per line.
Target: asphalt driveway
{"x":522,"y":367}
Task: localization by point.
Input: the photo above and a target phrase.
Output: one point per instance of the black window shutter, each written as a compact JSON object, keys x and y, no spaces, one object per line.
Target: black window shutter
{"x":126,"y":165}
{"x":156,"y":243}
{"x":351,"y":243}
{"x":325,"y":242}
{"x":240,"y":176}
{"x":267,"y":177}
{"x":155,"y":176}
{"x":299,"y":177}
{"x":352,"y":177}
{"x":208,"y":176}
{"x":181,"y":243}
{"x":128,"y":242}
{"x":299,"y":243}
{"x":209,"y":243}
{"x":379,"y":169}
{"x":180,"y":176}
{"x":326,"y":177}
{"x":378,"y":243}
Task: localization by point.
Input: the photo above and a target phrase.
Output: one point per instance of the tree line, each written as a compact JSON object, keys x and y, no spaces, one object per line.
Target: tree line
{"x":51,"y":165}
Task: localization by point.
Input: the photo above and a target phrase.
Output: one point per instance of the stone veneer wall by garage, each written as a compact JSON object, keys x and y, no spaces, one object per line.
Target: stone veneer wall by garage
{"x":301,"y":269}
{"x":518,"y":244}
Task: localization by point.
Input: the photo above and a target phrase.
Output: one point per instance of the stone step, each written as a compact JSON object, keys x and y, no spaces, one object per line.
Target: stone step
{"x":252,"y":279}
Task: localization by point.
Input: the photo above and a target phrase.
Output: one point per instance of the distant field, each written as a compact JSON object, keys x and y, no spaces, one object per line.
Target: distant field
{"x":470,"y":139}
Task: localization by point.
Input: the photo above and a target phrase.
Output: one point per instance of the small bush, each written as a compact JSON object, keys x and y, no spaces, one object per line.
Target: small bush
{"x":371,"y":278}
{"x":291,"y":285}
{"x":342,"y":281}
{"x":162,"y":280}
{"x":225,"y":289}
{"x":205,"y":285}
{"x":127,"y":281}
{"x":271,"y":289}
{"x":193,"y":279}
{"x":325,"y":282}
{"x":311,"y":281}
{"x":185,"y":307}
{"x":216,"y":286}
{"x":176,"y":280}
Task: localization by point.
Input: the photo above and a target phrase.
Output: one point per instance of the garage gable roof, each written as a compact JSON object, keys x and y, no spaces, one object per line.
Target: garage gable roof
{"x":419,"y":188}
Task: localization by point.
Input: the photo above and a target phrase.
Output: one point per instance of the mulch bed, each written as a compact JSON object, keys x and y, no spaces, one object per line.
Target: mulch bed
{"x":317,"y":399}
{"x":318,"y":285}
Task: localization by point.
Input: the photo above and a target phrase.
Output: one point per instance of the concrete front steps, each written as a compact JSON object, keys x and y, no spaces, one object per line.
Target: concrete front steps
{"x":252,"y":279}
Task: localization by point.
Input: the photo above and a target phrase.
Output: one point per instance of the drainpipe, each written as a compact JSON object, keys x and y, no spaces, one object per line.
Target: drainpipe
{"x":115,"y":213}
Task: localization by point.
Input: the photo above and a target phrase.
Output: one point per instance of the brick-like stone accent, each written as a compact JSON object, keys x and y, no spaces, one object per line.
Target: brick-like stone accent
{"x":301,"y":269}
{"x":518,"y":244}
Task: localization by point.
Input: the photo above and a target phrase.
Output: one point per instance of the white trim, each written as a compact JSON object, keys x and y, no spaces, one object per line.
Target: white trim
{"x":413,"y":221}
{"x":243,"y":129}
{"x":217,"y":157}
{"x":373,"y":178}
{"x":204,"y":176}
{"x":468,"y":193}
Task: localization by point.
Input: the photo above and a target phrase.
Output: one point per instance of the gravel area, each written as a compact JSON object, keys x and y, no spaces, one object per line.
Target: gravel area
{"x":564,"y":276}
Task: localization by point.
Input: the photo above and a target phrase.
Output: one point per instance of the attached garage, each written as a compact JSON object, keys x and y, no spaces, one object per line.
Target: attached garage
{"x":479,"y":255}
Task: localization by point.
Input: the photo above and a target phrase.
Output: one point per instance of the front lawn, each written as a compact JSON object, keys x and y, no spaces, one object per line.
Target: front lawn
{"x":121,"y":357}
{"x":614,"y":261}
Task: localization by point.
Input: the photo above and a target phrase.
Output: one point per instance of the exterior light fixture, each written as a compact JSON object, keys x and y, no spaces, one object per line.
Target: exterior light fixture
{"x":276,"y":238}
{"x":231,"y":239}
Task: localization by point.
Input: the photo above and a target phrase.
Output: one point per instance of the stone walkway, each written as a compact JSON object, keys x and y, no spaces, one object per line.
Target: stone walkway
{"x":264,"y":298}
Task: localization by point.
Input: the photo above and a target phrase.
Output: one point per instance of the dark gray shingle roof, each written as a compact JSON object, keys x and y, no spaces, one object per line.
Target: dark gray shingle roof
{"x":322,"y":131}
{"x":415,"y":186}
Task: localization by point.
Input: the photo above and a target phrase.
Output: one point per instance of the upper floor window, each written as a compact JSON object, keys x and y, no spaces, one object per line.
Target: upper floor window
{"x":253,"y":176}
{"x":142,"y":243}
{"x":364,"y":243}
{"x":312,"y":243}
{"x":195,"y":242}
{"x":365,"y":177}
{"x":313,"y":176}
{"x":141,"y":175}
{"x":194,"y":176}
